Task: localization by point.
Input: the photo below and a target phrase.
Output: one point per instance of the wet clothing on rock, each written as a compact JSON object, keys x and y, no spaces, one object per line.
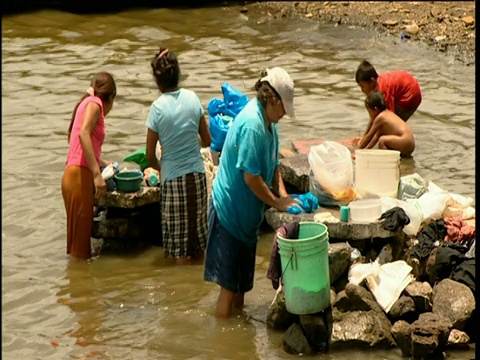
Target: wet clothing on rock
{"x":452,"y":264}
{"x":308,"y":203}
{"x":458,"y":231}
{"x":426,"y":239}
{"x":394,"y":219}
{"x":288,"y":231}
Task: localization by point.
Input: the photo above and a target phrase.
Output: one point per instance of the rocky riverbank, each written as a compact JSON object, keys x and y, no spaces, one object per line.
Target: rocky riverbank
{"x":446,"y":26}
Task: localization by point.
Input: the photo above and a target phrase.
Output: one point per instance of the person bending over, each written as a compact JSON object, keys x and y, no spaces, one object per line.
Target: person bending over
{"x":386,"y":128}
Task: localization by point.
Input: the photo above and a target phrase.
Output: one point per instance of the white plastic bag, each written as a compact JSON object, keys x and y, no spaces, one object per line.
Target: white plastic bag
{"x":433,"y":204}
{"x":332,"y":166}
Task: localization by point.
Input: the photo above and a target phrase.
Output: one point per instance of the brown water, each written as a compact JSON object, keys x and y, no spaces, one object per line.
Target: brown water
{"x":136,"y":307}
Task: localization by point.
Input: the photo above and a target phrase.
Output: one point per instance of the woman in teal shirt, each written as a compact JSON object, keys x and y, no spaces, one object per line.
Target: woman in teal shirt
{"x":248,"y":171}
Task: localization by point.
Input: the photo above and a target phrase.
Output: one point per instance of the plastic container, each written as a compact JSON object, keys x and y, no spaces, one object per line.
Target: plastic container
{"x":377,"y":173}
{"x":129,"y":181}
{"x":305,"y":269}
{"x":367,"y":210}
{"x":153,"y":179}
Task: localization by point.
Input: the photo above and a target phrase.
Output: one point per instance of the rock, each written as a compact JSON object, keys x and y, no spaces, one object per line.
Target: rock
{"x":390,"y":22}
{"x":468,"y":20}
{"x":341,"y":282}
{"x":277,"y":316}
{"x":440,"y":38}
{"x":403,"y":309}
{"x":295,"y":342}
{"x":455,"y":301}
{"x":333,"y":296}
{"x":385,"y":255}
{"x":429,"y":335}
{"x":117,"y":228}
{"x":342,"y":303}
{"x":146,"y":195}
{"x":361,"y":329}
{"x":402,"y":333}
{"x":412,"y":28}
{"x":338,"y":231}
{"x":339,"y":260}
{"x":458,"y":340}
{"x":318,"y":329}
{"x":362,"y":299}
{"x":286,"y":153}
{"x":295,"y":171}
{"x":309,"y":15}
{"x":421,"y":293}
{"x":128,"y":229}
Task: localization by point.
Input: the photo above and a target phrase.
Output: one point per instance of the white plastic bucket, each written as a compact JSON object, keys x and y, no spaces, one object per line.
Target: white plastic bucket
{"x":377,"y":173}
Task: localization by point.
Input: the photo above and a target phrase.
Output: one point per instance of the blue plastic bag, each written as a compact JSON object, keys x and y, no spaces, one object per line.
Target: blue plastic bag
{"x":221,"y":113}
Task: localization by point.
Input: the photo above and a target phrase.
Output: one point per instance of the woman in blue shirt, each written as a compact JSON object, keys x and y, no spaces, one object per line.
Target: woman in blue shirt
{"x":176,"y":120}
{"x":248,"y":171}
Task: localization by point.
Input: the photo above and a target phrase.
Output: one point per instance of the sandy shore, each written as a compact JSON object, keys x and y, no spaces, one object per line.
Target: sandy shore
{"x":446,"y":26}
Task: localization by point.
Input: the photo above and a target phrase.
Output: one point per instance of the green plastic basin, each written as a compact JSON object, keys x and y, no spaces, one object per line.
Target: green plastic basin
{"x":128,"y":181}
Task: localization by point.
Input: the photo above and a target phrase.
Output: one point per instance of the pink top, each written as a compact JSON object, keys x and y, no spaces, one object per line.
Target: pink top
{"x":76,"y":155}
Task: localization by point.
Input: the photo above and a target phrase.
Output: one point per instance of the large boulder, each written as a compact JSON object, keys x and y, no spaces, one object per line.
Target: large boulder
{"x":361,"y":329}
{"x":337,"y":231}
{"x":421,"y":293}
{"x":429,"y":335}
{"x":359,"y":321}
{"x":318,"y":329}
{"x":295,"y":171}
{"x":403,"y":309}
{"x":146,"y":195}
{"x":402,"y":333}
{"x":277,"y":315}
{"x":295,"y":341}
{"x":339,"y":260}
{"x":426,"y":336}
{"x":455,"y":301}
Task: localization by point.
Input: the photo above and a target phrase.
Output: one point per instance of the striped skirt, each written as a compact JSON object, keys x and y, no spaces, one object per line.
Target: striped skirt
{"x":184,"y":216}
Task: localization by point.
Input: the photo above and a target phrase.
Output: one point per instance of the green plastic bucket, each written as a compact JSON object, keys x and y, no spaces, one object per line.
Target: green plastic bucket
{"x":305,"y":269}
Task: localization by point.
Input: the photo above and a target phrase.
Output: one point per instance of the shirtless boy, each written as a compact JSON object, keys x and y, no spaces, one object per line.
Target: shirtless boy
{"x":386,"y":128}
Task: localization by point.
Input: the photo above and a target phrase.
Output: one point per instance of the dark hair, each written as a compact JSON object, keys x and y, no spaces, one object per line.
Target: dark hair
{"x":375,"y":100}
{"x":103,"y":86}
{"x":365,"y":72}
{"x":265,"y":91}
{"x":165,"y":68}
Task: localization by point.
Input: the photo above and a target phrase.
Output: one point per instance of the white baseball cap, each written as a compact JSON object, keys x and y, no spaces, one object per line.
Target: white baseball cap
{"x":279,"y":79}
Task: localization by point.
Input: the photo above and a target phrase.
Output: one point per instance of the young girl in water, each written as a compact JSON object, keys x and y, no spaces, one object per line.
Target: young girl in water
{"x":386,"y":128}
{"x":176,"y":120}
{"x":82,"y":179}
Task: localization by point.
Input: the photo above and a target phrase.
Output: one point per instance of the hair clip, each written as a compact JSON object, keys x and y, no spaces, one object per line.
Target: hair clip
{"x":163,"y":53}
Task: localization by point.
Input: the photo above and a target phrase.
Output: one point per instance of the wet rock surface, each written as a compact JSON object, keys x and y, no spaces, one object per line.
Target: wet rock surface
{"x":445,"y":26}
{"x":455,"y":301}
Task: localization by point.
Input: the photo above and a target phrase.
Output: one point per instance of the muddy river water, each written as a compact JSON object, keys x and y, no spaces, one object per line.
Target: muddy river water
{"x":136,"y":307}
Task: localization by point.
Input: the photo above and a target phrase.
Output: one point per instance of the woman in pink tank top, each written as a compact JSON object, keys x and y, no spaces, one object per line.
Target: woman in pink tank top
{"x":82,"y":179}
